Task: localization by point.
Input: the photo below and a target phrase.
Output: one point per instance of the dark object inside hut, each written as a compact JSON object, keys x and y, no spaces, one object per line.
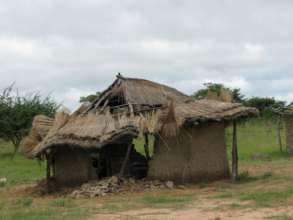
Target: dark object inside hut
{"x":111,"y":159}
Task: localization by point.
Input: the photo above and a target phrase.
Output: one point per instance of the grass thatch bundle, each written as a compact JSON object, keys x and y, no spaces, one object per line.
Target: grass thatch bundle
{"x":31,"y":141}
{"x":224,"y":95}
{"x":40,"y":128}
{"x":170,"y":125}
{"x":42,"y":124}
{"x":149,"y":122}
{"x":61,"y":118}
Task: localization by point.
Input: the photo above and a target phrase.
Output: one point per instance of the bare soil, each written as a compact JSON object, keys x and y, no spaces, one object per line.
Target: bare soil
{"x":205,"y":207}
{"x":197,"y":214}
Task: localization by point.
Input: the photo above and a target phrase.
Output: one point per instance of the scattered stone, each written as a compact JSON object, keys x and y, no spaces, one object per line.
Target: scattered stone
{"x":170,"y":184}
{"x":3,"y":181}
{"x":131,"y":181}
{"x":114,"y":184}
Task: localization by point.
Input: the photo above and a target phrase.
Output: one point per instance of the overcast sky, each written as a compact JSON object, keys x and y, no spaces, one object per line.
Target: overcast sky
{"x":73,"y":48}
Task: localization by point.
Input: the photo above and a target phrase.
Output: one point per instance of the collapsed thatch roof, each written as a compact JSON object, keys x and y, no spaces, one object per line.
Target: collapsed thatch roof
{"x":138,"y":92}
{"x":90,"y":128}
{"x":91,"y":131}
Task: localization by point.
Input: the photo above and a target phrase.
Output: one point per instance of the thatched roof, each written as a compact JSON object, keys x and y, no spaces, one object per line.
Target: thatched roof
{"x":139,"y":92}
{"x":197,"y":112}
{"x":211,"y":110}
{"x":90,"y":128}
{"x":88,"y":131}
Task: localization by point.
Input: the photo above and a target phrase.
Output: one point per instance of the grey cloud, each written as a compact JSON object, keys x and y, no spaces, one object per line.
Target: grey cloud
{"x":72,"y":48}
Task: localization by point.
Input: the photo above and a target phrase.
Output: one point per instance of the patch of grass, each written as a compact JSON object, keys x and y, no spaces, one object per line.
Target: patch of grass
{"x":18,"y":170}
{"x":245,"y":177}
{"x":235,"y":205}
{"x":166,"y":201}
{"x":27,"y":209}
{"x":225,"y":195}
{"x":115,"y":207}
{"x":268,"y":198}
{"x":281,"y":217}
{"x":25,"y":202}
{"x":43,"y":214}
{"x":264,"y":198}
{"x":257,"y":136}
{"x":139,"y":145}
{"x":27,"y":215}
{"x":62,"y":203}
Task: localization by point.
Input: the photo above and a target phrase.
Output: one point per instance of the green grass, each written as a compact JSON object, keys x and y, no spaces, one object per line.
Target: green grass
{"x":139,"y":145}
{"x":62,"y":202}
{"x":244,"y":177}
{"x":25,"y":202}
{"x":148,"y":200}
{"x":19,"y":170}
{"x":268,"y":198}
{"x":281,"y":217}
{"x":31,"y":209}
{"x":118,"y":206}
{"x":257,"y":136}
{"x":261,"y":191}
{"x":167,"y":201}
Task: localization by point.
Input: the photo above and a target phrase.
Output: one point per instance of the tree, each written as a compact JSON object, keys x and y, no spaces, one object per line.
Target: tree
{"x":217,"y":88}
{"x":265,"y":105}
{"x":17,"y":113}
{"x":89,"y":98}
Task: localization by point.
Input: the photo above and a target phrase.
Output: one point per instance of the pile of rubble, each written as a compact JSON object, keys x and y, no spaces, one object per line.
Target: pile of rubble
{"x":114,"y":184}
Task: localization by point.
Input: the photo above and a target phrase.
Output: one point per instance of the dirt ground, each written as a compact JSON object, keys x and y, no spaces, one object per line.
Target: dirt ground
{"x":202,"y":209}
{"x":197,"y":214}
{"x":202,"y":201}
{"x":205,"y":208}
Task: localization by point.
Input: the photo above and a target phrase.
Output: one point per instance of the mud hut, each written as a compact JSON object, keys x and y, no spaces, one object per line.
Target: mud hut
{"x":97,"y":140}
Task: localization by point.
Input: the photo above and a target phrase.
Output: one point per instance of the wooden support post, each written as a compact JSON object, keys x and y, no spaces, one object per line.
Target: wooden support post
{"x":131,"y":109}
{"x":125,"y":161}
{"x":146,"y":146}
{"x":108,"y":162}
{"x":234,"y":153}
{"x":48,"y":159}
{"x":48,"y":174}
{"x":53,"y":167}
{"x":279,"y":133}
